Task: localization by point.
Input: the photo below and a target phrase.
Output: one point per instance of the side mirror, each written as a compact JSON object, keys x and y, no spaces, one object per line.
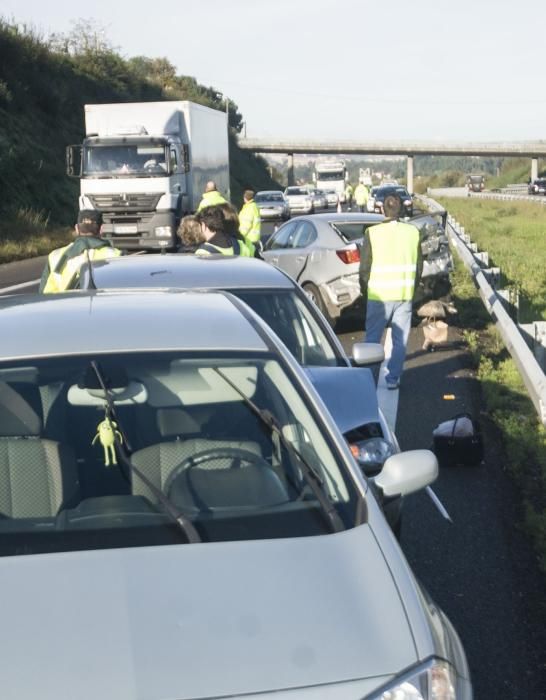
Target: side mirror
{"x":367,"y":354}
{"x":407,"y":472}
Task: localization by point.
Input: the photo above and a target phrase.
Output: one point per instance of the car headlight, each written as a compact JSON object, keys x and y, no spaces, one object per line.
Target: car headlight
{"x":163,"y":231}
{"x":435,"y":681}
{"x":372,"y":453}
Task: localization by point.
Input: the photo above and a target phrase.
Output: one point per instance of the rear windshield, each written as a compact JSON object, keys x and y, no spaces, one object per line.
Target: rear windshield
{"x":351,"y":230}
{"x":269,"y":197}
{"x":296,"y":190}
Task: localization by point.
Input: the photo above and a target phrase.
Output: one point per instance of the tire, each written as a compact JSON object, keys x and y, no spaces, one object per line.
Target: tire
{"x":314,"y":295}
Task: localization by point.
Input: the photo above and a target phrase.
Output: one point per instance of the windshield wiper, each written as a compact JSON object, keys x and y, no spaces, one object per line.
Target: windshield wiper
{"x":315,"y":481}
{"x":182,"y":521}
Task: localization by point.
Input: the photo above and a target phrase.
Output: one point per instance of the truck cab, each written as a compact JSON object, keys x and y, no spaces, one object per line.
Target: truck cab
{"x":331,"y":175}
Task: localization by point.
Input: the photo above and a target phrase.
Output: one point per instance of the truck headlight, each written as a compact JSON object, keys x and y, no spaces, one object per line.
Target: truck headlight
{"x":435,"y":681}
{"x":371,"y":454}
{"x":163,"y":231}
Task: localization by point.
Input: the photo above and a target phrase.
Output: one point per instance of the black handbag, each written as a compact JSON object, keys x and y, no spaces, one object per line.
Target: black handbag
{"x":464,"y":450}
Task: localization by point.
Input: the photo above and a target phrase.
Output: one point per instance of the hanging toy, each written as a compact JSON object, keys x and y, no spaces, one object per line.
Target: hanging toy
{"x":107,"y":433}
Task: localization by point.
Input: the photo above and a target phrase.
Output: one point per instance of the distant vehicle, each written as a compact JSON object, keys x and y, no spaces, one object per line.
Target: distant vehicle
{"x":319,"y":199}
{"x":371,"y":199}
{"x":385,"y":190}
{"x":145,"y":164}
{"x":537,"y":186}
{"x":321,"y":253}
{"x":299,"y":199}
{"x":365,"y":176}
{"x":331,"y":174}
{"x":475,"y":183}
{"x":331,"y":197}
{"x":272,"y":205}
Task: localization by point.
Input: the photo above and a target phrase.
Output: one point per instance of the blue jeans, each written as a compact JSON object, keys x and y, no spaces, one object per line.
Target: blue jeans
{"x":397,"y":314}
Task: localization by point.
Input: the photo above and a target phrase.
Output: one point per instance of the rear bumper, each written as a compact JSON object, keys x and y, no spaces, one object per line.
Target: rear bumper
{"x":340,"y":294}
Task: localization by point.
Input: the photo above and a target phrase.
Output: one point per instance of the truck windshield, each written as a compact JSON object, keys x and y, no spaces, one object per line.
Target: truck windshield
{"x":330,"y":176}
{"x":118,"y":160}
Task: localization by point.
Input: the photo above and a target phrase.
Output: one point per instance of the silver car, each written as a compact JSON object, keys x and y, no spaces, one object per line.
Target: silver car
{"x":183,"y":519}
{"x":319,"y":199}
{"x":300,"y":199}
{"x":321,"y":253}
{"x":272,"y":205}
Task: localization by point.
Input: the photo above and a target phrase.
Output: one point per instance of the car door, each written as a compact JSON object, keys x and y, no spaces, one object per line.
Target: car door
{"x":293,"y":257}
{"x":278,"y":242}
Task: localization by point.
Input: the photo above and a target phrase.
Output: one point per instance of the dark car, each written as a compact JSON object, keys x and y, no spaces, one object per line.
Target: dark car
{"x":538,"y":186}
{"x":475,"y":183}
{"x":385,"y":190}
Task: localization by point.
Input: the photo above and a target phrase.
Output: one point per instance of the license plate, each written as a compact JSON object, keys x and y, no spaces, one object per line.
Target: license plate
{"x":127,"y":228}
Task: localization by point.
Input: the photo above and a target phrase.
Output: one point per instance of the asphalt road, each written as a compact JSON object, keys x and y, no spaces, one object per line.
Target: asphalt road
{"x":480,"y":569}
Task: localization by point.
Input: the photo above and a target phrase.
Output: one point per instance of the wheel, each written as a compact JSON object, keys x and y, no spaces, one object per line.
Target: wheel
{"x":314,"y":295}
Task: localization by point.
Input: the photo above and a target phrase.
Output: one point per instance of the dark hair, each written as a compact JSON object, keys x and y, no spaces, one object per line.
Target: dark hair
{"x":392,"y":206}
{"x":231,"y":219}
{"x":213,"y":218}
{"x":89,"y":221}
{"x":248,"y":194}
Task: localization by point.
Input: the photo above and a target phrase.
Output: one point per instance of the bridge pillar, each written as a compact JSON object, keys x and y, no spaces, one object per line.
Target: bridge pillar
{"x":534,"y":169}
{"x":409,"y":175}
{"x":290,"y":169}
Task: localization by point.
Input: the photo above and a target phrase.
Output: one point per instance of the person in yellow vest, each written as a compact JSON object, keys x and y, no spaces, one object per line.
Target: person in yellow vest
{"x":361,"y":196}
{"x":63,"y":264}
{"x":250,"y":223}
{"x":390,"y":268}
{"x":211,"y":196}
{"x":349,"y":195}
{"x":216,"y":239}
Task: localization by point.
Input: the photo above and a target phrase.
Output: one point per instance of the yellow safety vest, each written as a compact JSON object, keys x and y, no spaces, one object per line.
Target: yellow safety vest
{"x":245,"y":249}
{"x":60,"y":281}
{"x":348,"y":191}
{"x":361,"y":195}
{"x":395,"y":247}
{"x":250,"y":224}
{"x":211,"y":199}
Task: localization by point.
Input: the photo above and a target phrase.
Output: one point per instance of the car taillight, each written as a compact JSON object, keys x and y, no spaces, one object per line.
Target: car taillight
{"x":349,"y":255}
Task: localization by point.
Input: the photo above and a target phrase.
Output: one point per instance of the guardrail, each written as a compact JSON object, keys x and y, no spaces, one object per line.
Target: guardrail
{"x":494,"y":300}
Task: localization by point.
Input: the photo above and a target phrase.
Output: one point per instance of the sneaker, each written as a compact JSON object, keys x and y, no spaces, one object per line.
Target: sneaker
{"x":392,"y":384}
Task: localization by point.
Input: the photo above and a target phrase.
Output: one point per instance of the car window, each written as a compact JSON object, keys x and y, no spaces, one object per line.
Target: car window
{"x":352,"y":230}
{"x":304,"y":235}
{"x":281,"y":239}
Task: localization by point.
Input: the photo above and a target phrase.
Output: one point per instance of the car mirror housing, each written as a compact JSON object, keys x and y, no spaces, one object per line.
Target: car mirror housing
{"x":367,"y":354}
{"x":407,"y":472}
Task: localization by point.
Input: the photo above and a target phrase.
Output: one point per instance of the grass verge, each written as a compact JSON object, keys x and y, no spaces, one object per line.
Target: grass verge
{"x":508,"y":405}
{"x":27,"y":234}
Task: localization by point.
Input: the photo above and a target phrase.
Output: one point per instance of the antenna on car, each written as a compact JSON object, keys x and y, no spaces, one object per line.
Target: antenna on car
{"x":91,"y":281}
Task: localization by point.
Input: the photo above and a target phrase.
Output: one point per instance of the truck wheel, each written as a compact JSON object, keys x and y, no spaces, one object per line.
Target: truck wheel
{"x":313,"y":293}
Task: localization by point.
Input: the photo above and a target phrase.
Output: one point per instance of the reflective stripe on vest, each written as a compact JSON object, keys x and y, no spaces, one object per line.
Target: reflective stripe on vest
{"x":395,"y":249}
{"x":250,"y":222}
{"x":60,"y":281}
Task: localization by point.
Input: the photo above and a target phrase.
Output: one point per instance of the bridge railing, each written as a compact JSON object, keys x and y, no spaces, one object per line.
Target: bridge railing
{"x":516,"y":337}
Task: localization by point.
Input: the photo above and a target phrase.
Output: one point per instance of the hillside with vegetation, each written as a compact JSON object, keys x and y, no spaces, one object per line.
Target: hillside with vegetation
{"x":44,"y":84}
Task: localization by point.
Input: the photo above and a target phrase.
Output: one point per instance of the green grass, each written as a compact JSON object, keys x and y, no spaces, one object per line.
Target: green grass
{"x":514,"y":234}
{"x":505,"y":397}
{"x":27,"y":234}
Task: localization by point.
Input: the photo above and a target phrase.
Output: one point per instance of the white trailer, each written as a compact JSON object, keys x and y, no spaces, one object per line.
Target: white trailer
{"x":145,"y":165}
{"x":331,"y":175}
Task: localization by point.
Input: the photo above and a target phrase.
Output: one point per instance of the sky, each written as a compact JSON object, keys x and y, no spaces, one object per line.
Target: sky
{"x":444,"y":70}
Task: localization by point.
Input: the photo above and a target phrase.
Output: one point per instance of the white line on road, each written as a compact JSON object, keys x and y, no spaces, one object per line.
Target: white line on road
{"x":13,"y":288}
{"x":387,"y":398}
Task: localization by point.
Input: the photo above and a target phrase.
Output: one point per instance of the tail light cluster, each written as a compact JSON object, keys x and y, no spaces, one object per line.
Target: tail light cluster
{"x":349,"y":255}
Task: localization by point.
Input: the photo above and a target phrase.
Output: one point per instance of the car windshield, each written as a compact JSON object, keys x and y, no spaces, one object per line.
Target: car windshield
{"x":325,"y":177}
{"x":185,"y":424}
{"x":125,"y":160}
{"x":268,"y":197}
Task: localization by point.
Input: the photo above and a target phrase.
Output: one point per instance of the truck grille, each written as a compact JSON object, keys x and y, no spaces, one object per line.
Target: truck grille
{"x":125,"y":202}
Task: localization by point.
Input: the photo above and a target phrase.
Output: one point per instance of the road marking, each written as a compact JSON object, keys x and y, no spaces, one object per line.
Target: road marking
{"x":387,"y":398}
{"x":7,"y":290}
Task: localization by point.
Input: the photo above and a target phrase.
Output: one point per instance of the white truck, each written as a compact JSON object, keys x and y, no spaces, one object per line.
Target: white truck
{"x":331,"y":175}
{"x":145,"y":165}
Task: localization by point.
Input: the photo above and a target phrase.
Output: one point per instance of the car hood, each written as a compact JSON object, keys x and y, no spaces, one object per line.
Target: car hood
{"x":349,"y":394}
{"x":202,"y":620}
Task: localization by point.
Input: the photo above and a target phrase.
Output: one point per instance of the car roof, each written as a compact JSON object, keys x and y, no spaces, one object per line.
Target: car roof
{"x":188,"y":272}
{"x":95,"y":322}
{"x":344,"y":217}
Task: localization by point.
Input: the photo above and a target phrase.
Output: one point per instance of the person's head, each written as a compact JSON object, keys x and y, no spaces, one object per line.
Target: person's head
{"x":392,"y":206}
{"x":89,"y":223}
{"x":212,"y":221}
{"x":210,"y":186}
{"x":231,"y":219}
{"x":190,"y":232}
{"x":248,"y":195}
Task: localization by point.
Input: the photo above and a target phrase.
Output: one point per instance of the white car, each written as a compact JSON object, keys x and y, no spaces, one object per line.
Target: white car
{"x":300,"y":199}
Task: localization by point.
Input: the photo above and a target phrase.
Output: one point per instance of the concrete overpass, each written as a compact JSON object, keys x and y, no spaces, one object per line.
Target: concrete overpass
{"x":525,"y":149}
